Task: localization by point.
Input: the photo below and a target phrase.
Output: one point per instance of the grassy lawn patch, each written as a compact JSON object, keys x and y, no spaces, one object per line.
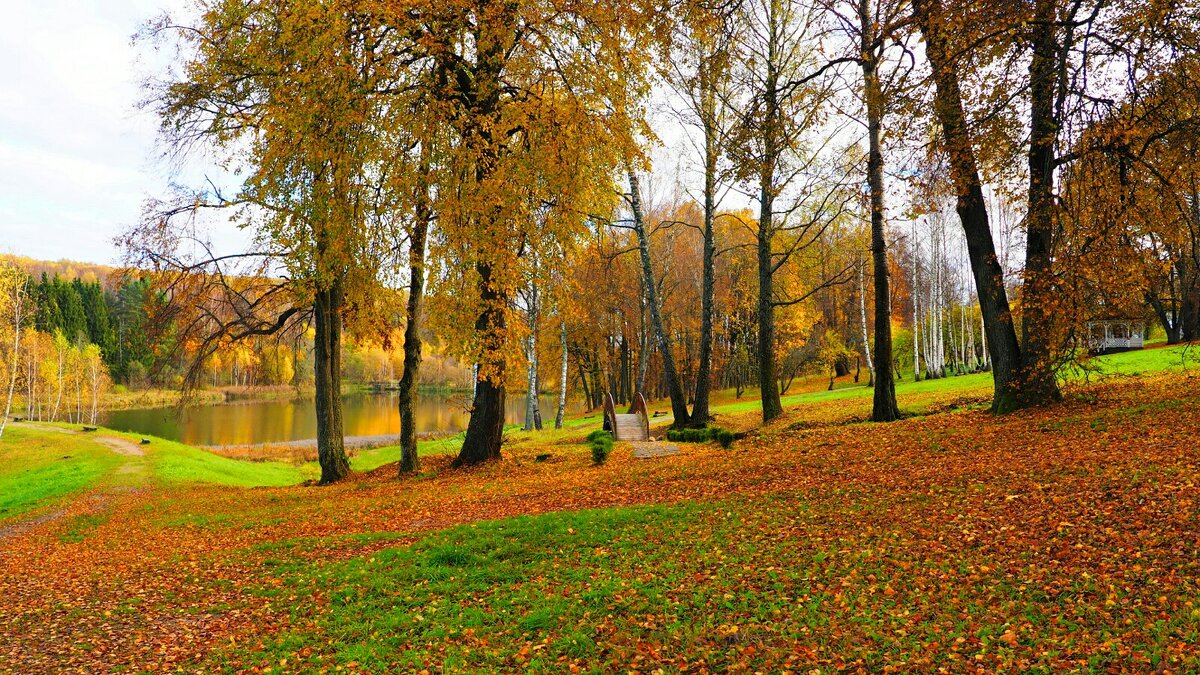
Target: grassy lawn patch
{"x":38,"y":467}
{"x":177,"y":463}
{"x":1059,"y":539}
{"x":766,"y":583}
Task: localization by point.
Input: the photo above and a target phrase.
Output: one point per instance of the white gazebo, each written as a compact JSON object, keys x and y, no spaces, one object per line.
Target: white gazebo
{"x":1112,"y":335}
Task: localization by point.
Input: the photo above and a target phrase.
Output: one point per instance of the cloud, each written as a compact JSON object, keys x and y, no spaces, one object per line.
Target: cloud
{"x":75,"y":153}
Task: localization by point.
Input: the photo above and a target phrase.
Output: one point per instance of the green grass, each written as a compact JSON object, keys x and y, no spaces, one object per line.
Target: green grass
{"x":40,"y":467}
{"x":574,"y":429}
{"x":177,"y":463}
{"x":32,"y":469}
{"x":373,"y":458}
{"x":1125,"y":363}
{"x":1152,"y":360}
{"x":511,"y":580}
{"x":688,"y":581}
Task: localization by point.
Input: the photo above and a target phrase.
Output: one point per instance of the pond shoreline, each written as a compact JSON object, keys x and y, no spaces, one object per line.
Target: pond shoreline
{"x":286,"y":424}
{"x":351,"y":442}
{"x":147,"y":399}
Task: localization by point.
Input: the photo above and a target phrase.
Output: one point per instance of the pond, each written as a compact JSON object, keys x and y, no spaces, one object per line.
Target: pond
{"x":254,"y":422}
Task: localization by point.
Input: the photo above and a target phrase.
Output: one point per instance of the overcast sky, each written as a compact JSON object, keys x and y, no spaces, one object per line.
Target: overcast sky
{"x":76,"y":156}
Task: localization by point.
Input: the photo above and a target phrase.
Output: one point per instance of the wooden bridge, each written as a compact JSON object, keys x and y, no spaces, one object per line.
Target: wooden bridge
{"x":633,"y":425}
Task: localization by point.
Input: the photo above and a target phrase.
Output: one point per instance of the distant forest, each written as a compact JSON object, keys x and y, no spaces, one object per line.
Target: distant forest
{"x":90,"y":304}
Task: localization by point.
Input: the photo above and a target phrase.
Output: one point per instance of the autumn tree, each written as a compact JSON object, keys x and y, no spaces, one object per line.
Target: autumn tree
{"x":679,"y":408}
{"x":14,"y":311}
{"x":1051,"y":68}
{"x":288,"y":93}
{"x":1130,"y":210}
{"x":778,"y":154}
{"x":872,"y":28}
{"x":699,"y":68}
{"x":527,"y":91}
{"x":939,"y":30}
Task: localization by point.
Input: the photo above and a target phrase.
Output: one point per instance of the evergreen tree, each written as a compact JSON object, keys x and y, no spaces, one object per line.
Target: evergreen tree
{"x":70,"y":307}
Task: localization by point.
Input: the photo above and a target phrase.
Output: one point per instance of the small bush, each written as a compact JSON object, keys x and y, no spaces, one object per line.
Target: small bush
{"x":602,"y":444}
{"x":725,"y":437}
{"x":703,"y":435}
{"x":688,"y":435}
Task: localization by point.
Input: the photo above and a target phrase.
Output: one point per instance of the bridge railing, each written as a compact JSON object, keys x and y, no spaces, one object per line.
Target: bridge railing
{"x":638,"y":407}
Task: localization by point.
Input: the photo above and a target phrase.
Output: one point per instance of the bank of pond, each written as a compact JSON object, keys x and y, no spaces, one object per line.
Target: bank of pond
{"x":252,"y":422}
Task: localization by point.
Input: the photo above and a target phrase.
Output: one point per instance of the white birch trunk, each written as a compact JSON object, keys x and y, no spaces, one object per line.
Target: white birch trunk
{"x":61,"y":385}
{"x":987,"y":359}
{"x":916,"y":294}
{"x":562,"y":379}
{"x":18,"y":319}
{"x":862,"y":315}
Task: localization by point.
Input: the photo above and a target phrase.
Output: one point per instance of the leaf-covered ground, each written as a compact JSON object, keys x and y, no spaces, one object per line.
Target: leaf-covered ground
{"x":1060,"y":539}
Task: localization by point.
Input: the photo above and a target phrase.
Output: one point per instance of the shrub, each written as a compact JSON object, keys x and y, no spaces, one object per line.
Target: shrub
{"x":688,"y":435}
{"x":725,"y":437}
{"x":597,"y":434}
{"x":602,"y":444}
{"x":703,"y":435}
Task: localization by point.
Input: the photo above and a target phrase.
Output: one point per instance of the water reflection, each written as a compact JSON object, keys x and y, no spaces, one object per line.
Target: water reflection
{"x":251,"y":422}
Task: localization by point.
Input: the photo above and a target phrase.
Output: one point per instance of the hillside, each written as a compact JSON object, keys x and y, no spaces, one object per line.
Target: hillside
{"x":68,"y":270}
{"x":1056,"y":539}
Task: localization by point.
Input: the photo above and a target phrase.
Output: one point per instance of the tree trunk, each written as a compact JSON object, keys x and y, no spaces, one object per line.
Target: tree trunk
{"x":969,"y":323}
{"x":862,"y":319}
{"x":678,"y":399}
{"x":916,"y":321}
{"x":562,"y":379}
{"x":983,"y":346}
{"x":485,"y":430}
{"x":327,"y":353}
{"x":597,"y":380}
{"x":643,"y":339}
{"x":533,"y":413}
{"x":18,"y":318}
{"x":61,"y":382}
{"x":700,"y":412}
{"x":1039,"y":384}
{"x":409,"y":460}
{"x":30,"y":383}
{"x":768,"y":366}
{"x":884,"y":408}
{"x":1171,"y":328}
{"x":94,"y":368}
{"x":588,"y":399}
{"x":1000,"y":334}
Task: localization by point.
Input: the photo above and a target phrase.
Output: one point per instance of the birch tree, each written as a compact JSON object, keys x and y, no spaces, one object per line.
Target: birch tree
{"x":14,"y":310}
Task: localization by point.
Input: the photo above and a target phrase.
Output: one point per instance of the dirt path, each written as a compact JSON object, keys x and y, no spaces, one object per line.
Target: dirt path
{"x":99,"y":500}
{"x":121,"y":446}
{"x":22,"y":526}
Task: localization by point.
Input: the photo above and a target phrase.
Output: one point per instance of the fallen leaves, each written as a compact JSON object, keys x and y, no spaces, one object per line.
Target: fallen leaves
{"x":989,"y":537}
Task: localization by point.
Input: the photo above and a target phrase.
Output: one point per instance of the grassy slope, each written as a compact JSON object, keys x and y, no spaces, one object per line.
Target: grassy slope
{"x":32,"y":473}
{"x":544,"y":591}
{"x":178,"y":463}
{"x":950,"y":549}
{"x":1053,"y":540}
{"x":914,"y":397}
{"x":40,"y":466}
{"x":700,"y":582}
{"x":37,"y":467}
{"x":1155,"y":359}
